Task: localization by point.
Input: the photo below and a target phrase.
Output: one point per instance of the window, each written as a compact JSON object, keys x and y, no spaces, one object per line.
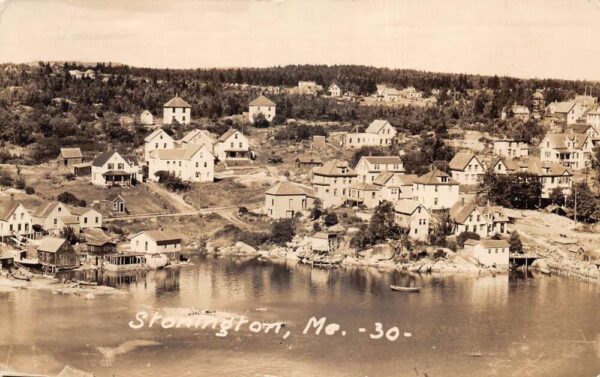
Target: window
{"x":240,"y":145}
{"x":231,"y":144}
{"x":205,"y":164}
{"x":156,"y":145}
{"x":197,"y":164}
{"x":121,"y":166}
{"x":97,"y":220}
{"x":55,"y":221}
{"x":183,"y":118}
{"x":85,"y":220}
{"x":110,"y":166}
{"x":435,"y":201}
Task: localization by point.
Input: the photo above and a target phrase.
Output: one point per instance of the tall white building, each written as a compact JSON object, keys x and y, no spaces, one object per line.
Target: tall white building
{"x":177,"y":110}
{"x":261,"y":105}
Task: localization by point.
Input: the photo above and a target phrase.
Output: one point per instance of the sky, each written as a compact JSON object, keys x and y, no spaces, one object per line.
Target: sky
{"x":523,"y":38}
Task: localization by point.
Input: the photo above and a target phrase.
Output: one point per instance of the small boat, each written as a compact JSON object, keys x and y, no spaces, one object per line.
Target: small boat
{"x":405,"y":289}
{"x":87,"y":283}
{"x":19,"y":275}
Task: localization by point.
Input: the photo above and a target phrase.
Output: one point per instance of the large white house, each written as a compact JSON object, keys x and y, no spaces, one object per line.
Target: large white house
{"x":177,"y":110}
{"x":395,"y":186}
{"x":334,"y":90}
{"x":156,"y":242}
{"x":15,"y":220}
{"x":110,"y":168}
{"x":199,"y":137}
{"x":569,"y":149}
{"x":510,"y":148}
{"x":261,"y":105}
{"x":369,"y":167}
{"x":489,"y":253}
{"x":466,"y":168}
{"x":332,"y":181}
{"x":379,"y":133}
{"x":51,"y":216}
{"x":486,"y":221}
{"x":233,"y":145}
{"x":286,"y":199}
{"x":158,"y":139}
{"x":414,"y":216}
{"x":436,"y":190}
{"x":191,"y":163}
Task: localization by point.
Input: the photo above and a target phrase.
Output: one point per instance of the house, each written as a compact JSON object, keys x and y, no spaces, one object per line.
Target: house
{"x":87,"y":217}
{"x":332,"y":181}
{"x":202,"y":138}
{"x":67,"y":221}
{"x":110,"y":168}
{"x":308,"y":161}
{"x":511,"y":148}
{"x":156,"y":242}
{"x":15,"y":221}
{"x":517,"y":112}
{"x":49,"y":215}
{"x":489,"y":253}
{"x":394,"y":186}
{"x":146,"y":118}
{"x":363,"y":194}
{"x":414,"y":216}
{"x":286,"y":199}
{"x":538,"y":103}
{"x":573,"y":110}
{"x":325,"y":242}
{"x":75,"y":73}
{"x":334,"y":90}
{"x":390,"y":94}
{"x":192,"y":163}
{"x":369,"y":167}
{"x":593,"y":118}
{"x":583,"y":128}
{"x":436,"y":190}
{"x":56,"y":254}
{"x":69,"y":157}
{"x":466,"y":168}
{"x":572,"y":150}
{"x":115,"y":204}
{"x":308,"y":87}
{"x":411,"y":93}
{"x":379,"y":133}
{"x":83,"y":169}
{"x":177,"y":110}
{"x":579,"y":252}
{"x":261,"y":105}
{"x":233,"y":145}
{"x":486,"y":221}
{"x":158,"y":139}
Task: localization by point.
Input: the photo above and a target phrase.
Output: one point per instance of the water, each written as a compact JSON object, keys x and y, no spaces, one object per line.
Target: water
{"x":461,"y":326}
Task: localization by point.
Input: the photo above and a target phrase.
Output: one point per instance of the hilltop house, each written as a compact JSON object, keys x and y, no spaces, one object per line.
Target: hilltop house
{"x":394,"y":186}
{"x":285,"y":199}
{"x":233,"y":145}
{"x":308,"y":161}
{"x":334,"y":90}
{"x":56,"y":254}
{"x":369,"y":167}
{"x":110,"y":168}
{"x":146,"y":118}
{"x":569,"y":149}
{"x":511,"y":148}
{"x":573,"y":110}
{"x":466,"y":168}
{"x":363,"y":194}
{"x":177,"y":110}
{"x":583,"y":128}
{"x":332,"y":181}
{"x":486,"y":221}
{"x":15,"y":221}
{"x":69,"y":157}
{"x":414,"y":216}
{"x":379,"y":133}
{"x":52,"y":217}
{"x":88,"y":218}
{"x":191,"y":163}
{"x":436,"y":190}
{"x":593,"y":118}
{"x":517,"y":112}
{"x":202,"y":138}
{"x":308,"y":87}
{"x":158,"y":139}
{"x":489,"y":253}
{"x":261,"y":105}
{"x":156,"y":242}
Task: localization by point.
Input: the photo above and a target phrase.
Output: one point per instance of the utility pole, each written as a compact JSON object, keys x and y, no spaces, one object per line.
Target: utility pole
{"x":575,"y":206}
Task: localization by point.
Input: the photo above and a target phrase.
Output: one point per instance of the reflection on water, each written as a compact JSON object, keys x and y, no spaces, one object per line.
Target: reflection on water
{"x":517,"y":324}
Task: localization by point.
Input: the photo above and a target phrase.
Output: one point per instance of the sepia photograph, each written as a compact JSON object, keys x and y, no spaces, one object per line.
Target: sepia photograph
{"x":290,"y":188}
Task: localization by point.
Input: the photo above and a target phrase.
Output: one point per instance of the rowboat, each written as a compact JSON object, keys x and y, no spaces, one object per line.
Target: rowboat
{"x":405,"y":289}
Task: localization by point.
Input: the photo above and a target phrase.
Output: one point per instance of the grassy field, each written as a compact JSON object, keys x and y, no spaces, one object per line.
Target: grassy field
{"x":227,"y":192}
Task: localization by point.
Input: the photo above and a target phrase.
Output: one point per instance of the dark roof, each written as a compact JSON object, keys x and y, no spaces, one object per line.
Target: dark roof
{"x":431,"y":178}
{"x":103,"y":157}
{"x":7,"y":207}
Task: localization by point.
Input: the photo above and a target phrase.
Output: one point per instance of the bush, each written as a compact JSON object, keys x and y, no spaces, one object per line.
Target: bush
{"x":171,"y":181}
{"x":460,"y":240}
{"x":68,"y":198}
{"x":282,"y":231}
{"x":29,"y":190}
{"x":70,"y":176}
{"x":20,"y":183}
{"x":275,"y":159}
{"x":330,"y":219}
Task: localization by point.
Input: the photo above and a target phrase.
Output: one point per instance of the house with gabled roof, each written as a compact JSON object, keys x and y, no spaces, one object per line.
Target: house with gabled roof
{"x":369,"y":167}
{"x":332,"y":181}
{"x":436,"y":190}
{"x":56,"y":254}
{"x":261,"y":105}
{"x":158,"y":139}
{"x":394,"y":186}
{"x":191,"y":163}
{"x":111,"y":168}
{"x":489,"y":253}
{"x":146,"y":118}
{"x":15,"y":220}
{"x":286,"y":199}
{"x":414,"y":216}
{"x":593,"y":119}
{"x":379,"y":133}
{"x":156,"y":242}
{"x":199,"y":137}
{"x":52,"y":216}
{"x":335,"y":90}
{"x":69,"y":157}
{"x":177,"y":110}
{"x":572,"y":150}
{"x":87,"y":217}
{"x":363,"y":194}
{"x":466,"y":168}
{"x":486,"y":221}
{"x":233,"y":145}
{"x":511,"y":148}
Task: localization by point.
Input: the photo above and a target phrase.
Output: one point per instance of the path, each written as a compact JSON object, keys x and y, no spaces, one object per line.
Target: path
{"x":173,"y":199}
